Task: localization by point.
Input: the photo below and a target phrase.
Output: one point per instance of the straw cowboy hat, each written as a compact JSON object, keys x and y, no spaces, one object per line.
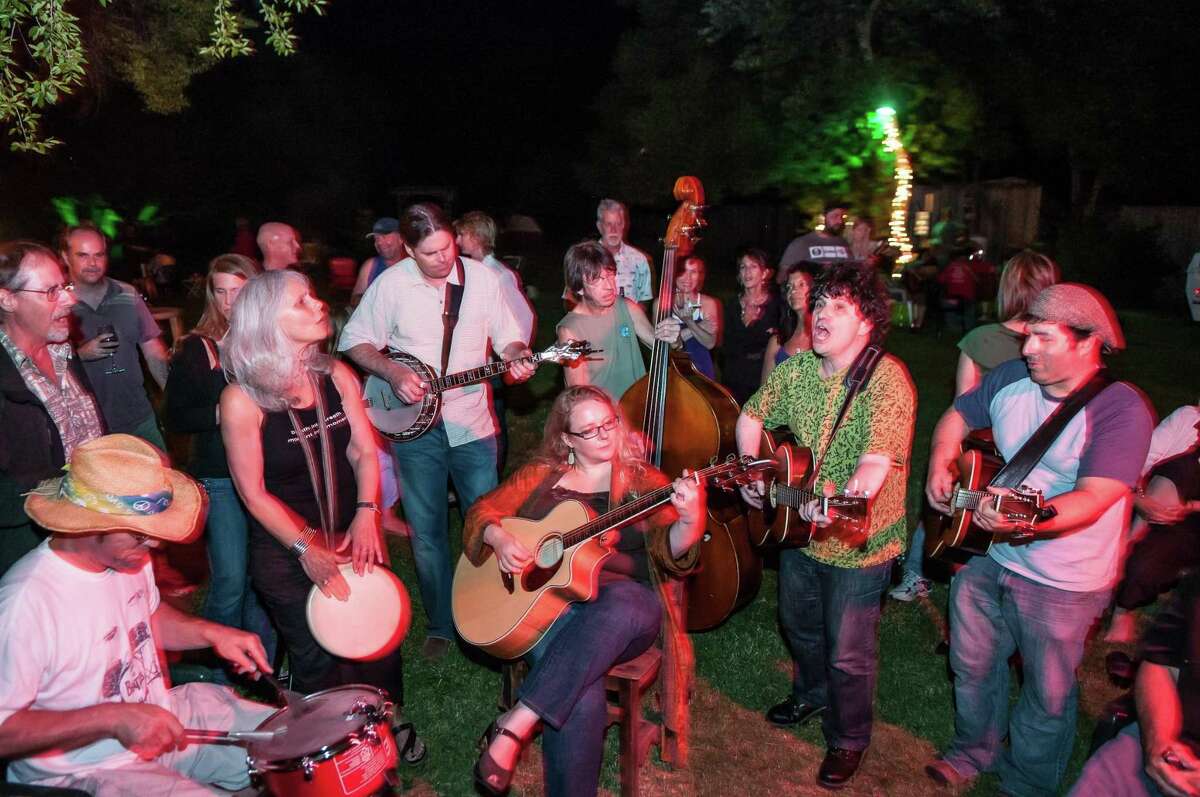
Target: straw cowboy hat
{"x":119,"y":483}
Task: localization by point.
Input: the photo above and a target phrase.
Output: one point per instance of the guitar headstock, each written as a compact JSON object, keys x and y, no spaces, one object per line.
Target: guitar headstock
{"x":569,"y":351}
{"x":684,"y":228}
{"x":1023,"y":506}
{"x":736,"y":472}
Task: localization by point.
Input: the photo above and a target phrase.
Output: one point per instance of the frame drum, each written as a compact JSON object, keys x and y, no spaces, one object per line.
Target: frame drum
{"x":370,"y":623}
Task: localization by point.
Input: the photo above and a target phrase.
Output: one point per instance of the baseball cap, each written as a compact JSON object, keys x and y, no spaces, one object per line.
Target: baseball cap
{"x":383,"y":226}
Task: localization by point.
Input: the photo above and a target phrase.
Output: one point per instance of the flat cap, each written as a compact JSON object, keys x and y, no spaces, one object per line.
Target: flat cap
{"x":1081,"y":307}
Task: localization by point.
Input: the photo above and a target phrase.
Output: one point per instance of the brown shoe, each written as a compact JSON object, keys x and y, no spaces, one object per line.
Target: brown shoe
{"x":435,"y":647}
{"x":839,"y":767}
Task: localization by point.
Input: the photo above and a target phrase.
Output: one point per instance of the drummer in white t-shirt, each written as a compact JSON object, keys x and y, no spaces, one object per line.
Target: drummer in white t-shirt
{"x":84,"y":701}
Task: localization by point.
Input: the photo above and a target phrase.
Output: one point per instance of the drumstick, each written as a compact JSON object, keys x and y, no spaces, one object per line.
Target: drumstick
{"x":228,"y":737}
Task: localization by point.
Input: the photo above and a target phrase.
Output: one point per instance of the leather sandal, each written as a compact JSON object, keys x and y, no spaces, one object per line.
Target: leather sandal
{"x":491,"y":778}
{"x":410,"y":749}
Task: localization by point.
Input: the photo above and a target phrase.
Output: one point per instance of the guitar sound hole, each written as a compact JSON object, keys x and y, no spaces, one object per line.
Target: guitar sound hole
{"x":536,"y":577}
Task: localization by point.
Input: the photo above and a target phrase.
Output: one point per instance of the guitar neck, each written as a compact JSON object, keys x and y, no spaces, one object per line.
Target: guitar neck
{"x":794,"y":497}
{"x":634,"y":510}
{"x":970,"y":499}
{"x":475,"y":375}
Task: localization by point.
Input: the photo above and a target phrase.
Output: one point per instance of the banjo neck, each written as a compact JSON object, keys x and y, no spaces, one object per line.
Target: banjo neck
{"x":482,"y":373}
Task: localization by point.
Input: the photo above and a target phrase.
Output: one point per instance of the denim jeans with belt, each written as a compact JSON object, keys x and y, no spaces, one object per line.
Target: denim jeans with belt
{"x":830,"y":619}
{"x":422,"y":467}
{"x":565,"y":686}
{"x":994,"y":612}
{"x":231,"y":600}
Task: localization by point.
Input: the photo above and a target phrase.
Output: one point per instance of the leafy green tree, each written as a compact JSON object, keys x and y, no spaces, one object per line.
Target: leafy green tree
{"x":49,"y":48}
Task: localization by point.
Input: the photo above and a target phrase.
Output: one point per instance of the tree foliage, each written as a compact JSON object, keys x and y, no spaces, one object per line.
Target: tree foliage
{"x":48,"y":50}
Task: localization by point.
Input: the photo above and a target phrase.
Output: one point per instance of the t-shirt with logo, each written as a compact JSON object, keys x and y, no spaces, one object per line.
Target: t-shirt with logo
{"x":1108,"y":438}
{"x":817,"y":247}
{"x":70,"y":639}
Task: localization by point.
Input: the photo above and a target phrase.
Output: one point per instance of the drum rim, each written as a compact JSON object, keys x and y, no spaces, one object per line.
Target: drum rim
{"x":386,"y":710}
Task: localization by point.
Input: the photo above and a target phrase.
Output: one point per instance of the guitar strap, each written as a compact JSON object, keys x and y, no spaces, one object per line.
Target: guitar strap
{"x":1017,"y":468}
{"x":454,"y":296}
{"x":857,"y":377}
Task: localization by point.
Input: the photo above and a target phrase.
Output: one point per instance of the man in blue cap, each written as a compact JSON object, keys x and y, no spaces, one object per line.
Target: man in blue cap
{"x":389,"y":245}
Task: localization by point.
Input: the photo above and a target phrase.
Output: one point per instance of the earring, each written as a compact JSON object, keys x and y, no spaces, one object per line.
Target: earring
{"x":570,"y":456}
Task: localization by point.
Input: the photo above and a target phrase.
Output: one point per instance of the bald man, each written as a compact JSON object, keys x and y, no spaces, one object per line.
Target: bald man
{"x":280,"y":245}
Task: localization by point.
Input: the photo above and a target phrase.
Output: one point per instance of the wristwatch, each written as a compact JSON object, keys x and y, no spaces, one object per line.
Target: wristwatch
{"x":374,"y":507}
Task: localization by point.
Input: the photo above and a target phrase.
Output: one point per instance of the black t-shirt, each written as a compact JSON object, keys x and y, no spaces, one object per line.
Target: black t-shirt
{"x":1184,"y":472}
{"x":1174,"y":641}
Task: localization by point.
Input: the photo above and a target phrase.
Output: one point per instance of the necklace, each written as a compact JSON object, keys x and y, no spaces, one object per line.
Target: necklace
{"x":751,"y":311}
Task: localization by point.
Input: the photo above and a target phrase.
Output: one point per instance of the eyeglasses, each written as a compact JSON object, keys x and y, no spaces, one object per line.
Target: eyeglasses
{"x":606,"y":426}
{"x":52,"y":294}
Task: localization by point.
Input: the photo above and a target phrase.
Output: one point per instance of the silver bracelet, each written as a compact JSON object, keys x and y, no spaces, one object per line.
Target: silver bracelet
{"x":300,"y":546}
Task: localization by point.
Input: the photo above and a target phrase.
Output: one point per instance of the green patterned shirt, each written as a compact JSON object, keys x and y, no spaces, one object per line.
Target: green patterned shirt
{"x":880,"y":421}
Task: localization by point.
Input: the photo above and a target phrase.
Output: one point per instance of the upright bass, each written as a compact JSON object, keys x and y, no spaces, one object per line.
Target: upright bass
{"x":686,"y":420}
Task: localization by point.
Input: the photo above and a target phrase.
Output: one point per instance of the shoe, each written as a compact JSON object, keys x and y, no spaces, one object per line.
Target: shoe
{"x":940,"y":772}
{"x":491,"y":778}
{"x":435,"y":647}
{"x":410,"y":749}
{"x":911,"y":587}
{"x":838,"y":767}
{"x":789,"y":712}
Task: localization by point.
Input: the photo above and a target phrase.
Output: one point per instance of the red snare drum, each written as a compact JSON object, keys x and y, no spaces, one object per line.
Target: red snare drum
{"x":338,"y":744}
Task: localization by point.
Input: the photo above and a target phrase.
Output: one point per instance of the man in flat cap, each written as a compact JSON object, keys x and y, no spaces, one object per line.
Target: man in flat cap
{"x":389,"y":250}
{"x":84,"y":700}
{"x":1038,"y":597}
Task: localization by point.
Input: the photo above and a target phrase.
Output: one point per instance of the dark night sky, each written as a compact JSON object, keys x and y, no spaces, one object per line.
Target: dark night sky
{"x":493,"y":99}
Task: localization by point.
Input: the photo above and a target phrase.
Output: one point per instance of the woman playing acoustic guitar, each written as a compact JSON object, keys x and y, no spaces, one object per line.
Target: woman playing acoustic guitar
{"x":587,"y":455}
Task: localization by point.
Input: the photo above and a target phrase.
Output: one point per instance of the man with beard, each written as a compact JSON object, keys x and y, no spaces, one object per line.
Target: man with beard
{"x":46,"y":404}
{"x":1038,"y":598}
{"x":819,"y":246}
{"x":829,"y":591}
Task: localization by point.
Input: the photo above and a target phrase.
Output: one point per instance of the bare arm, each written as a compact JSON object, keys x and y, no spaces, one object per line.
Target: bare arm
{"x":157,"y":357}
{"x":143,"y":728}
{"x":175,"y":630}
{"x":575,"y":372}
{"x":968,"y":376}
{"x":948,"y":436}
{"x":405,"y":382}
{"x":668,"y":330}
{"x":769,"y":355}
{"x":1076,"y":509}
{"x":360,"y":284}
{"x":365,"y":540}
{"x":748,"y":434}
{"x":1160,"y":715}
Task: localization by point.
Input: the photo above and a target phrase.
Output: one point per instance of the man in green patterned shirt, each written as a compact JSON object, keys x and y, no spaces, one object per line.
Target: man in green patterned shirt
{"x":830,"y":591}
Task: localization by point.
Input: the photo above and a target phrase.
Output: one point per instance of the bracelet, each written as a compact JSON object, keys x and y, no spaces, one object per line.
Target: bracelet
{"x":300,"y":546}
{"x":374,"y":507}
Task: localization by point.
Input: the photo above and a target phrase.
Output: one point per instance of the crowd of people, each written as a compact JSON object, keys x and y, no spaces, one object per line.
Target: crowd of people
{"x":291,"y":483}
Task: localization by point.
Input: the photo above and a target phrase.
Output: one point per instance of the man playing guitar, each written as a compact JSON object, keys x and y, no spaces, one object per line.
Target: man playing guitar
{"x":1040,"y":597}
{"x":404,"y":310}
{"x":829,"y":591}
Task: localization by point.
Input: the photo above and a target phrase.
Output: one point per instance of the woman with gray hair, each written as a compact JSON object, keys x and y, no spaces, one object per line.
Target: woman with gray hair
{"x":302,"y":455}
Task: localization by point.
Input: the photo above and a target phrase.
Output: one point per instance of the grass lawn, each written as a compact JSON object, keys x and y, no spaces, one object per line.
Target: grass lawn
{"x":742,"y":666}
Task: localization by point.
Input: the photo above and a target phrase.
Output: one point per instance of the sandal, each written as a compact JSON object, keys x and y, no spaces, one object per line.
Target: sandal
{"x":491,"y":778}
{"x":410,"y":749}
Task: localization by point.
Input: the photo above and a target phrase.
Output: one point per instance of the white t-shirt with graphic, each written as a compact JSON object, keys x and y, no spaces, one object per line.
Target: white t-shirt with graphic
{"x":70,"y":639}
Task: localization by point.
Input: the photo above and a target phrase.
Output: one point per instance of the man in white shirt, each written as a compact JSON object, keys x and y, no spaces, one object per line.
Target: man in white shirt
{"x":403,"y":310}
{"x":635,"y":278}
{"x":84,"y":702}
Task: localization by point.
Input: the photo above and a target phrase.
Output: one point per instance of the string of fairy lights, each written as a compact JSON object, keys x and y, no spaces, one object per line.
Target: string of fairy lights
{"x":903,"y":174}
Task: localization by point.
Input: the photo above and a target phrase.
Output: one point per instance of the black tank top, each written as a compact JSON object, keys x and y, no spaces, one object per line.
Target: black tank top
{"x":285,"y":471}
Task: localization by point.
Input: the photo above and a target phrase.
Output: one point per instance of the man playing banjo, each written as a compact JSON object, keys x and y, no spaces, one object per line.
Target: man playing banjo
{"x":406,"y":309}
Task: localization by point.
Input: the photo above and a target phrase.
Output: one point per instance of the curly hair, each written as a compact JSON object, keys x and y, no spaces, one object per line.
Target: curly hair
{"x":860,"y":284}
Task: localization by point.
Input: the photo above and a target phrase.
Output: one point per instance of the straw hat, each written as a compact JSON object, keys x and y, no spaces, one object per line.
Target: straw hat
{"x":119,"y":483}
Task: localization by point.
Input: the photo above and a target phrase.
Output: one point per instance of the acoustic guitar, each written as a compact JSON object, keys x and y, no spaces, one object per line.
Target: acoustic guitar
{"x":779,"y":523}
{"x":506,"y":614}
{"x":401,"y":421}
{"x":961,"y":539}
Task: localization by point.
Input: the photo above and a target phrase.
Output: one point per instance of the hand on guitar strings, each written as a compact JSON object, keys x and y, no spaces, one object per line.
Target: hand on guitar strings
{"x":669,"y":330}
{"x":939,"y":486}
{"x":753,"y":491}
{"x":518,"y":371}
{"x":989,"y":518}
{"x":321,"y":565}
{"x":364,"y":542}
{"x":811,"y":511}
{"x":688,"y":499}
{"x":405,"y":383}
{"x":511,"y":554}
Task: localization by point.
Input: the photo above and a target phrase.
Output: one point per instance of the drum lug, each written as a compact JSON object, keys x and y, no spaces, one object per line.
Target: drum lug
{"x":308,"y":766}
{"x":372,"y":735}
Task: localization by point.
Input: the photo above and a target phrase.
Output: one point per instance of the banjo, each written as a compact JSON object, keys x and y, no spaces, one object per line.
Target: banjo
{"x":402,"y":422}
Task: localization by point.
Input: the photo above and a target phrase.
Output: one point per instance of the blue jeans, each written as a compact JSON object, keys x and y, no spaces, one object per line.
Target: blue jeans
{"x":565,"y":686}
{"x":830,"y":620}
{"x":1116,"y":769}
{"x":422,"y":467}
{"x":914,"y":560}
{"x":231,"y":600}
{"x":993,"y":612}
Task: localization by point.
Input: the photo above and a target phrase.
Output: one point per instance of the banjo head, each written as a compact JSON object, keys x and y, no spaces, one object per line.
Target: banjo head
{"x":389,"y":414}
